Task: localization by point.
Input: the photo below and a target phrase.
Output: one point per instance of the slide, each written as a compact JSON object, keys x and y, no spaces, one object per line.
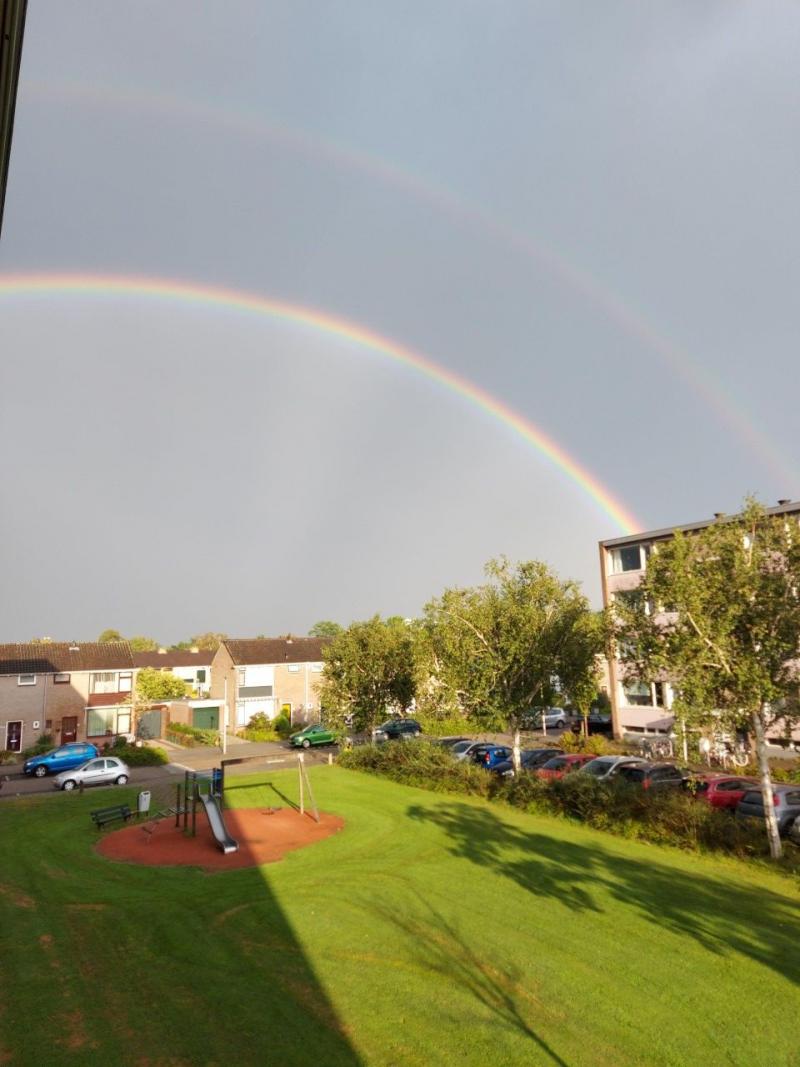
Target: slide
{"x":217,"y":824}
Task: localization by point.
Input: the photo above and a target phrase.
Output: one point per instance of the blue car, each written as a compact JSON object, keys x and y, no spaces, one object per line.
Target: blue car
{"x":489,"y":755}
{"x":60,"y":759}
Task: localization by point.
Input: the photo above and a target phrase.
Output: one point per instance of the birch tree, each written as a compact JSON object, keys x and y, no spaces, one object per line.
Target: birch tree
{"x":719,"y":615}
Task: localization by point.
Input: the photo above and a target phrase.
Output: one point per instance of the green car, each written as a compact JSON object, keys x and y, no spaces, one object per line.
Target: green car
{"x":313,"y":735}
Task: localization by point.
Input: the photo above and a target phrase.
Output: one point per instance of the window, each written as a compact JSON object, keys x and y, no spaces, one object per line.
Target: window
{"x":627,"y":558}
{"x":105,"y":682}
{"x":26,"y":679}
{"x":61,"y":679}
{"x":637,"y":693}
{"x":201,"y":675}
{"x":294,"y":668}
{"x":102,"y":721}
{"x":316,"y":667}
{"x":240,"y":676}
{"x":659,"y":699}
{"x":48,"y":725}
{"x":125,"y":682}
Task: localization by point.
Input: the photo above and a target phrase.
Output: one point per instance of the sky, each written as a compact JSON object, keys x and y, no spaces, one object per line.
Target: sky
{"x":580,"y":217}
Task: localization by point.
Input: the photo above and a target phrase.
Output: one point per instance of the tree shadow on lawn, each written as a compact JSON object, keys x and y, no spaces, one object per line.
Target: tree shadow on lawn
{"x":722,"y":917}
{"x":443,"y":951}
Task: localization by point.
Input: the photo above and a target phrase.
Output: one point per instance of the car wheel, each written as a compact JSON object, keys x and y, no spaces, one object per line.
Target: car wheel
{"x":306,"y":743}
{"x":123,"y":778}
{"x":40,"y":771}
{"x":560,"y":724}
{"x":415,"y":734}
{"x":69,"y":785}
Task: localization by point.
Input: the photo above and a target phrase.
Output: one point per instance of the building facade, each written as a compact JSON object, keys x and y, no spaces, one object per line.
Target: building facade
{"x":639,"y":705}
{"x":74,"y":692}
{"x":192,"y":665}
{"x":269,"y":675}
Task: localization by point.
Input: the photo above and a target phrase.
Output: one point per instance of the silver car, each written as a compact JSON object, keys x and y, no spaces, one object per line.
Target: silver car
{"x":104,"y":770}
{"x":605,"y":767}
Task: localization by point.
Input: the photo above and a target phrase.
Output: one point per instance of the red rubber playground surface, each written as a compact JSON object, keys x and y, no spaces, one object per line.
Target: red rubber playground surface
{"x":264,"y":836}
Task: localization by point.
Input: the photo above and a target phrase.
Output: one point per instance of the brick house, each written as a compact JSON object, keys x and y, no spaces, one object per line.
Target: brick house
{"x":270,"y":675}
{"x":75,"y":692}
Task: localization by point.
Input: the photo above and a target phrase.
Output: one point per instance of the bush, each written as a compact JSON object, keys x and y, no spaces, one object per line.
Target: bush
{"x":250,"y":734}
{"x":44,"y":744}
{"x":7,"y":756}
{"x":140,"y":757}
{"x":453,"y":726}
{"x":282,"y":726}
{"x":418,"y":763}
{"x":181,"y":734}
{"x":594,"y":743}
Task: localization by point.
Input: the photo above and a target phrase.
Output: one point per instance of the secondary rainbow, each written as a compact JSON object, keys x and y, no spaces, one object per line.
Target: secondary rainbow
{"x":193,"y":293}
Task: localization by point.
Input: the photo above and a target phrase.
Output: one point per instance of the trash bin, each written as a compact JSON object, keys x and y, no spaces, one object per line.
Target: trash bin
{"x":144,"y":802}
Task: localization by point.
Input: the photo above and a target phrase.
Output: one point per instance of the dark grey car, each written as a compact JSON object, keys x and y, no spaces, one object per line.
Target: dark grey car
{"x":787,"y":806}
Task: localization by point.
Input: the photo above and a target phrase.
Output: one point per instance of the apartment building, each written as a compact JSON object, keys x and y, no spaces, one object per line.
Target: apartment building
{"x":273,"y":675}
{"x":644,"y":705}
{"x":75,"y":692}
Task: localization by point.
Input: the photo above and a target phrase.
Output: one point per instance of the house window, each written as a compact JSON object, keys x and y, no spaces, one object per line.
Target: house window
{"x":61,"y":679}
{"x":125,"y":682}
{"x":628,"y":558}
{"x":102,"y":721}
{"x":26,"y":679}
{"x":240,"y":676}
{"x":201,"y":676}
{"x":105,"y":682}
{"x":637,"y":693}
{"x":294,"y":668}
{"x":48,"y":725}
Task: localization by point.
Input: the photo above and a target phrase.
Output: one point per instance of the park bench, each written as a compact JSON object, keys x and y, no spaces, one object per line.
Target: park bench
{"x":119,"y":813}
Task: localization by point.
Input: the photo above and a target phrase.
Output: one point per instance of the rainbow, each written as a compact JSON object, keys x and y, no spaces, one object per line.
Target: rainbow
{"x":195,"y":294}
{"x":629,"y":320}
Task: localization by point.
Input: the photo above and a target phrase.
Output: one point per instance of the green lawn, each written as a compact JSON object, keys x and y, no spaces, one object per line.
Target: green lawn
{"x":432,"y":930}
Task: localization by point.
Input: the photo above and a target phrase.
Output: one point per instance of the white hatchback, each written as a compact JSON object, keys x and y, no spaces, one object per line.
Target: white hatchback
{"x":104,"y":770}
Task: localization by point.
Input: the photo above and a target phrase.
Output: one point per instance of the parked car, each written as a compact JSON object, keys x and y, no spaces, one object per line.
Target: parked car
{"x":558,"y":766}
{"x":451,"y":742}
{"x":316,"y":734}
{"x":720,"y":790}
{"x":530,"y":759}
{"x":106,"y":770}
{"x":63,"y":758}
{"x":397,"y":729}
{"x":599,"y":722}
{"x":465,"y":750}
{"x":604,"y":767}
{"x":655,"y":776}
{"x":489,"y":755}
{"x":550,"y":717}
{"x":786,"y":799}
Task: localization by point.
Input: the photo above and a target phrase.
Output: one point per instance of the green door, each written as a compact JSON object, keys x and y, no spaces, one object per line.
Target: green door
{"x":205,"y":718}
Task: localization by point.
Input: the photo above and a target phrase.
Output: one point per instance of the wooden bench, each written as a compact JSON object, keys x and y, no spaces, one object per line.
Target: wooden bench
{"x":119,"y":813}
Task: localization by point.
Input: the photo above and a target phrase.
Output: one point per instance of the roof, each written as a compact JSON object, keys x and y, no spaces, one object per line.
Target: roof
{"x":276,"y":649}
{"x":58,"y":657}
{"x":180,"y":657}
{"x":787,"y":507}
{"x":12,"y":28}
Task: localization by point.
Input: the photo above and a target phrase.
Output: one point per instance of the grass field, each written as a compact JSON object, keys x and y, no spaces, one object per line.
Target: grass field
{"x":432,"y":930}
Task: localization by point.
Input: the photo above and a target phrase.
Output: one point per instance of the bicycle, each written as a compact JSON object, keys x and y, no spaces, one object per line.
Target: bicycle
{"x":726,"y":752}
{"x":656,"y":747}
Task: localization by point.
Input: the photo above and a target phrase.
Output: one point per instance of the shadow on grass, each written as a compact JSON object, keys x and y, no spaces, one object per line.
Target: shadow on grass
{"x":722,"y":917}
{"x":443,"y":951}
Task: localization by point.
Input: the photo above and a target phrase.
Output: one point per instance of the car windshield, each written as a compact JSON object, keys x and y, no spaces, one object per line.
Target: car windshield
{"x":386,"y":725}
{"x":462,"y":746}
{"x":633,"y":774}
{"x":555,"y":763}
{"x":597,"y":767}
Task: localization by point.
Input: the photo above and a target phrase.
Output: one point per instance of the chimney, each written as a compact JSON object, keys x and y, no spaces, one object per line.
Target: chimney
{"x":782,"y":502}
{"x":194,"y":649}
{"x":719,"y":514}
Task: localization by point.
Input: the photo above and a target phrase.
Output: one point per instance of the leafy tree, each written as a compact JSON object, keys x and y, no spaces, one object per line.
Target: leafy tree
{"x":143,"y":644}
{"x":718,"y":613}
{"x":325,"y":628}
{"x":369,"y":669}
{"x":109,"y":635}
{"x":208,"y":641}
{"x":514,"y":643}
{"x":153,"y":685}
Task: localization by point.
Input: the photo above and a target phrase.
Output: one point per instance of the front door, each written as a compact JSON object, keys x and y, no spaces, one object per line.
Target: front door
{"x":69,"y":729}
{"x":13,"y":736}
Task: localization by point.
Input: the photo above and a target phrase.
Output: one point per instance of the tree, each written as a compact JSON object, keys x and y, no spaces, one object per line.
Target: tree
{"x":143,"y":644}
{"x":153,"y":685}
{"x":109,"y":635}
{"x":41,"y":641}
{"x":499,"y":649}
{"x":325,"y":628}
{"x":210,"y":642}
{"x":369,"y":670}
{"x":718,"y":614}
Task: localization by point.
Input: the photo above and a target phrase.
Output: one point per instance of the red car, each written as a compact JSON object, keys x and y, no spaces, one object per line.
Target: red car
{"x":721,"y":790}
{"x":558,"y":766}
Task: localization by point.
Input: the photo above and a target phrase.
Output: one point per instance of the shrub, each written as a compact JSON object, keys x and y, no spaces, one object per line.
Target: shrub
{"x":42,"y":745}
{"x":260,"y":722}
{"x":595,"y":743}
{"x":249,"y":734}
{"x":452,"y":726}
{"x":181,"y":734}
{"x":140,"y":757}
{"x":7,"y":756}
{"x":282,"y":726}
{"x":418,"y":763}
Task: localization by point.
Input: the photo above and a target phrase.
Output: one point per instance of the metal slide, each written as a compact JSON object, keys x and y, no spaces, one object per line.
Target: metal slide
{"x":217,"y":824}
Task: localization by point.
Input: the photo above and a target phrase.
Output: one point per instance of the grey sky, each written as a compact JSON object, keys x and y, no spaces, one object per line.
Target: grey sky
{"x":171,"y":469}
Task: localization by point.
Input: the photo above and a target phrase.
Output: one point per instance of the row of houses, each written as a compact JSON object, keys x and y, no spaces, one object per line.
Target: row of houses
{"x":84,"y":691}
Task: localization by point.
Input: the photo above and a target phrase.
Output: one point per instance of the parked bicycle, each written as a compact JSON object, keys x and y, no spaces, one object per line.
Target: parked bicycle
{"x":656,"y":747}
{"x":727,"y":753}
